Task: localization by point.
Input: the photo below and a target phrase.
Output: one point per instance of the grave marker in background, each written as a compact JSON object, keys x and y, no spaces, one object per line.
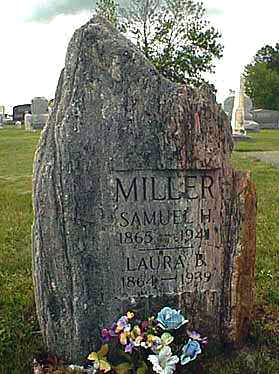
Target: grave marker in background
{"x":136,"y":204}
{"x":2,"y":109}
{"x":19,"y":112}
{"x":39,"y":110}
{"x":28,"y":121}
{"x":267,"y":119}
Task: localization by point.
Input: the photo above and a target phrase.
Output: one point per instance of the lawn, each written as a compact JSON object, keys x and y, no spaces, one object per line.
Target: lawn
{"x":265,"y":140}
{"x":266,"y":178}
{"x":20,"y":339}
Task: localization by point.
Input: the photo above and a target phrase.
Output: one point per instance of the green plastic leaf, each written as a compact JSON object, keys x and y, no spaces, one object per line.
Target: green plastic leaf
{"x":123,"y":368}
{"x":103,"y":351}
{"x":143,"y":368}
{"x":124,"y":357}
{"x":93,"y":356}
{"x":166,"y":338}
{"x":104,"y":365}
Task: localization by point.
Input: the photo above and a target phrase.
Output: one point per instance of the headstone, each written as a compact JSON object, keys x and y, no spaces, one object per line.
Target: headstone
{"x":248,"y":107}
{"x":28,"y":121}
{"x":19,"y":112}
{"x":2,"y":115}
{"x":136,"y":204}
{"x":8,"y":119}
{"x":238,"y":113}
{"x":267,"y":119}
{"x":39,"y":110}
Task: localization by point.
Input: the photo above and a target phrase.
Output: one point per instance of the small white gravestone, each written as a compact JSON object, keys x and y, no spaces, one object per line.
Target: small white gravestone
{"x":28,"y":121}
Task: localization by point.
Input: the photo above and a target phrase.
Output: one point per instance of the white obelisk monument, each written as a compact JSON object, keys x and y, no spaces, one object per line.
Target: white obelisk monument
{"x":238,"y":116}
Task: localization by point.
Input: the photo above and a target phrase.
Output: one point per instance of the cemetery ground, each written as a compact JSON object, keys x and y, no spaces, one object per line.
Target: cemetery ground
{"x":20,"y":339}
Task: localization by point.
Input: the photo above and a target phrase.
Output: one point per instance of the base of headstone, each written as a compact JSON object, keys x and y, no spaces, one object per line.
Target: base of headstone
{"x":39,"y":120}
{"x":252,"y":126}
{"x":240,"y":136}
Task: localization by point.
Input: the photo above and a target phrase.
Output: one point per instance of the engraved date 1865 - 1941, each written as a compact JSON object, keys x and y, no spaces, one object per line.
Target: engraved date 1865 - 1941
{"x":185,"y":236}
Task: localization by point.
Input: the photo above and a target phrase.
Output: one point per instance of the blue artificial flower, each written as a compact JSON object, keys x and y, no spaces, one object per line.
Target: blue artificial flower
{"x":170,"y":319}
{"x":190,"y":351}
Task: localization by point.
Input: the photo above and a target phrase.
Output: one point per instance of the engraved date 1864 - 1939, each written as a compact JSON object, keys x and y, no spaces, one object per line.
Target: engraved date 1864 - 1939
{"x":153,"y":280}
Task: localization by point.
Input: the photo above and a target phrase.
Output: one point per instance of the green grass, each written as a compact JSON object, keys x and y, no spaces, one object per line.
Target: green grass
{"x":266,"y":178}
{"x":265,"y":140}
{"x":20,"y":341}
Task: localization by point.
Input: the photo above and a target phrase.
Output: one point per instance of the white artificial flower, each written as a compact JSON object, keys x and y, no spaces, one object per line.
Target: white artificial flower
{"x":164,"y":362}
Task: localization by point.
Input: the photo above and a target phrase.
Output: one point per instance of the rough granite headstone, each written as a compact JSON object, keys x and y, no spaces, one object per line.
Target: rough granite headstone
{"x":136,"y":203}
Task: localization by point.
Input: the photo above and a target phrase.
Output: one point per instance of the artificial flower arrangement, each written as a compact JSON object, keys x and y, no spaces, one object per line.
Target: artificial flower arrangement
{"x":160,"y":345}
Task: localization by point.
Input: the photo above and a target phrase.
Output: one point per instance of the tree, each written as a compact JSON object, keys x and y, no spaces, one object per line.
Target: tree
{"x":269,"y":55}
{"x":262,"y":78}
{"x":174,"y":35}
{"x":108,"y":9}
